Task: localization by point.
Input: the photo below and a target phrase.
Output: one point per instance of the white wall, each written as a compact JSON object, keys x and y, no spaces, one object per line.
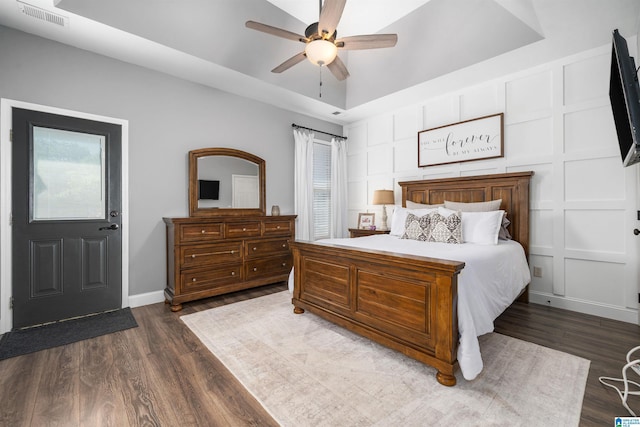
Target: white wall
{"x":167,"y":118}
{"x":558,"y":123}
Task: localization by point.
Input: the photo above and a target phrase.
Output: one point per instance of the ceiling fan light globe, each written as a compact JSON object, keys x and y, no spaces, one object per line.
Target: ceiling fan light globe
{"x":321,"y":52}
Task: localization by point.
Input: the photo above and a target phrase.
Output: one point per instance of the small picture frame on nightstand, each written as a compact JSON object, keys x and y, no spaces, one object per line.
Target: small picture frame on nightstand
{"x":366,"y":221}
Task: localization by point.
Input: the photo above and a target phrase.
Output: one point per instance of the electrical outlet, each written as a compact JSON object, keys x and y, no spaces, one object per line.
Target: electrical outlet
{"x":537,"y":271}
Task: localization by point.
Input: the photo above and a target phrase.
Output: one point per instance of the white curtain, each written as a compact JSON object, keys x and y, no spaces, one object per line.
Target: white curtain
{"x":339,"y":226}
{"x":303,"y":185}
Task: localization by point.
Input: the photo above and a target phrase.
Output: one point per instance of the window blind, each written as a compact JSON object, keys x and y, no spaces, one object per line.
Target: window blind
{"x":321,"y":190}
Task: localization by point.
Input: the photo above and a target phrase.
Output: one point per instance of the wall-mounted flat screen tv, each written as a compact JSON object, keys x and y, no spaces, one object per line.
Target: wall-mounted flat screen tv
{"x":624,"y":93}
{"x":208,"y":190}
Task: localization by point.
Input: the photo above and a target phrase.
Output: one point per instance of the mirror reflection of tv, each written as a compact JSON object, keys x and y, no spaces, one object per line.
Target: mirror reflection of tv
{"x":624,"y":94}
{"x":208,"y":190}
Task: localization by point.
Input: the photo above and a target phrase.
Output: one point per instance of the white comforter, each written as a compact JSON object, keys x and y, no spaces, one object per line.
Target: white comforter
{"x":493,"y":277}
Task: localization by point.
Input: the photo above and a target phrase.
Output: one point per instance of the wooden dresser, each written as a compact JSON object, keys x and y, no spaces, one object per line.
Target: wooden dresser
{"x":216,"y":255}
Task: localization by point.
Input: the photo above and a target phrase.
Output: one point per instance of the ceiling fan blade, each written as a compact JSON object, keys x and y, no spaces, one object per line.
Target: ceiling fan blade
{"x":275,"y":31}
{"x":373,"y":41}
{"x":330,"y":16}
{"x":290,"y":62}
{"x":338,"y":69}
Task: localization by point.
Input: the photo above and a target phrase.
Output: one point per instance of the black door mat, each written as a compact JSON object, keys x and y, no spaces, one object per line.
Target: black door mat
{"x":24,"y":341}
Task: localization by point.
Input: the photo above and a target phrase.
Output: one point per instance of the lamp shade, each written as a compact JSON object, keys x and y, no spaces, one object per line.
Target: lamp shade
{"x":321,"y":52}
{"x":383,"y":197}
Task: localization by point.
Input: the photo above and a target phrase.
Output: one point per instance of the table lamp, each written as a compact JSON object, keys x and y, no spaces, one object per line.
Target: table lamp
{"x":383,"y":197}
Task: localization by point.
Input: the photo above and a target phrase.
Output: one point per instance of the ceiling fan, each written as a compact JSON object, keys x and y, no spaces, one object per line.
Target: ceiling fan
{"x":321,"y":40}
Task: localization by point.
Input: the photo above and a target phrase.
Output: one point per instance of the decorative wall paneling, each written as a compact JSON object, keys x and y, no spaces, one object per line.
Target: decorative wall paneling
{"x":558,"y":123}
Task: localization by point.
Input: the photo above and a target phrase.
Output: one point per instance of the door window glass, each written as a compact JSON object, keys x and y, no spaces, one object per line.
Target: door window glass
{"x":67,"y":175}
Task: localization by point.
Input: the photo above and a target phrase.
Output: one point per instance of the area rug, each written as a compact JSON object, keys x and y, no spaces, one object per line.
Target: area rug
{"x":17,"y":343}
{"x":306,"y":371}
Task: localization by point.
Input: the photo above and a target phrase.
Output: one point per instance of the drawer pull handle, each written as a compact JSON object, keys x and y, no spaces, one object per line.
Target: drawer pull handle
{"x":203,"y":231}
{"x":193,"y":256}
{"x":255,"y":249}
{"x":284,"y":245}
{"x":193,"y":279}
{"x":255,"y":268}
{"x":284,"y":264}
{"x":233,"y":273}
{"x":278,"y":227}
{"x":244,"y":229}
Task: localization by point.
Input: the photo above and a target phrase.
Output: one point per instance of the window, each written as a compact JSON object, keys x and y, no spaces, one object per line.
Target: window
{"x":68,"y":175}
{"x":321,"y":190}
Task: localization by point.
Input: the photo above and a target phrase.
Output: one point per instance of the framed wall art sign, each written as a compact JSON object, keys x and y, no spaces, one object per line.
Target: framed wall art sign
{"x":475,"y":139}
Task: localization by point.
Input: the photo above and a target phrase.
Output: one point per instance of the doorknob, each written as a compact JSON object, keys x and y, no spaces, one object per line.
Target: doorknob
{"x":111,"y":227}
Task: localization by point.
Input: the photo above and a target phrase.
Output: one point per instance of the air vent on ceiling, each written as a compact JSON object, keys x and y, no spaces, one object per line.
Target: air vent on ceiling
{"x":335,"y":113}
{"x":42,"y":14}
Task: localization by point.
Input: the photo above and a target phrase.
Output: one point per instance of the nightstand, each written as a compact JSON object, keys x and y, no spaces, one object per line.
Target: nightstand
{"x":360,"y":232}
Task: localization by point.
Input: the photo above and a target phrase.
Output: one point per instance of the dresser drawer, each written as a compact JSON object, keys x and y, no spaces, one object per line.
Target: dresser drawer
{"x":201,"y":232}
{"x":242,"y":229}
{"x":274,"y":266}
{"x":262,"y":248}
{"x":275,"y":227}
{"x":197,"y":280}
{"x":222,"y":253}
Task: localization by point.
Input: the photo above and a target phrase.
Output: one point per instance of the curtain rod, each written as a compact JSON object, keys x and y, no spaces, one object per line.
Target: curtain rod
{"x":315,"y":130}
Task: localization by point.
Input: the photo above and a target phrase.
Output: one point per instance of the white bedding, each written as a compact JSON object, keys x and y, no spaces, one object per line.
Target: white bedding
{"x":493,"y":277}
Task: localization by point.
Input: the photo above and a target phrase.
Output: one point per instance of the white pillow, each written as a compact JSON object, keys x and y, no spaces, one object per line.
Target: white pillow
{"x":399,"y":218}
{"x":481,"y":227}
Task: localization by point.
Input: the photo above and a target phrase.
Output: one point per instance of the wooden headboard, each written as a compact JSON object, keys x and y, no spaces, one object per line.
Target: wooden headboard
{"x":512,"y":188}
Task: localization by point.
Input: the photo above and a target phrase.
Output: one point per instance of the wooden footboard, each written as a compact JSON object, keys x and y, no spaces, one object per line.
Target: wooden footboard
{"x":404,"y":302}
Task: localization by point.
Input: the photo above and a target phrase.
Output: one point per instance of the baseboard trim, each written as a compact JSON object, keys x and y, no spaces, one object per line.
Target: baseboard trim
{"x":146,"y":299}
{"x":587,"y":307}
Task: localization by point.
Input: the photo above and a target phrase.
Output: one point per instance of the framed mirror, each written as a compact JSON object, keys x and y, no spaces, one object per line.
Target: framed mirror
{"x":225,"y":181}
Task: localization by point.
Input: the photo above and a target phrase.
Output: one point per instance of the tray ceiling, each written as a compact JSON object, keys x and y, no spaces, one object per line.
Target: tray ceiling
{"x":205,"y":41}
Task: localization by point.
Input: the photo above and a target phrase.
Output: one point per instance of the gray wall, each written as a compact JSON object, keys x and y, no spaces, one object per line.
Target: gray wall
{"x":167,"y":118}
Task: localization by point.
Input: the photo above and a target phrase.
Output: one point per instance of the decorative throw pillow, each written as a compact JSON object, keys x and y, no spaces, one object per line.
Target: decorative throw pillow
{"x":445,"y":226}
{"x":399,"y":219}
{"x":416,"y":227}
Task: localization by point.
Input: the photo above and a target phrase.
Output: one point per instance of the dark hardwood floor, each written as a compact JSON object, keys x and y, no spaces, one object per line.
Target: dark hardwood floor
{"x":159,"y":374}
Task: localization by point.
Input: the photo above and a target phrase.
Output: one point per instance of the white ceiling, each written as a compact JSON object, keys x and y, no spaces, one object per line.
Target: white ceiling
{"x":442,"y":44}
{"x":377,"y":14}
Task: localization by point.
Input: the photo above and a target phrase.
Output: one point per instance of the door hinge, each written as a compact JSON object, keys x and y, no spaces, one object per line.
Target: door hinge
{"x":10,"y":135}
{"x":11,"y":303}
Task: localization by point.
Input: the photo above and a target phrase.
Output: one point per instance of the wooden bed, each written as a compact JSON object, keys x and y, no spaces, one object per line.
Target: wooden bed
{"x":405,"y":302}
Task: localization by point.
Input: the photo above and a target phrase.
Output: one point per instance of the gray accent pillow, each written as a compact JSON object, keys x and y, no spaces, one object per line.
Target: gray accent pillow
{"x":414,"y":205}
{"x":491,"y":205}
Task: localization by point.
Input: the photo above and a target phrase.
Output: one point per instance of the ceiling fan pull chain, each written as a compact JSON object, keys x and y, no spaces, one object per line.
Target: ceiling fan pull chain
{"x":320,"y":67}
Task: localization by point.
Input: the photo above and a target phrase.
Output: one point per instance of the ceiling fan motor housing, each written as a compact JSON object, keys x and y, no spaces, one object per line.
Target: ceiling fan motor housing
{"x":312,"y":33}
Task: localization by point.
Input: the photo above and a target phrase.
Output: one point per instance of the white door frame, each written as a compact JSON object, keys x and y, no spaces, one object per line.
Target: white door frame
{"x":6,"y":105}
